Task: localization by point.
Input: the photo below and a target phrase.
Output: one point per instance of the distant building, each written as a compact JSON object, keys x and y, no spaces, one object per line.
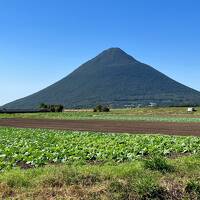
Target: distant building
{"x":152,"y":104}
{"x":191,"y":109}
{"x":129,"y":106}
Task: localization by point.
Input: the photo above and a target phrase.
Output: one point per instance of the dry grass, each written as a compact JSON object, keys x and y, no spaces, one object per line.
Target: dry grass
{"x":103,"y":182}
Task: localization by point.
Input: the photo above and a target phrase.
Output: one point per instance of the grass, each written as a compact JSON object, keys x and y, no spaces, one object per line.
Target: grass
{"x":136,"y":114}
{"x":120,"y":181}
{"x":48,"y":164}
{"x":158,"y":164}
{"x":37,"y":147}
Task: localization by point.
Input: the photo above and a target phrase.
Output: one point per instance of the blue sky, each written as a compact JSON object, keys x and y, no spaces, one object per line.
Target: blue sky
{"x":41,"y":41}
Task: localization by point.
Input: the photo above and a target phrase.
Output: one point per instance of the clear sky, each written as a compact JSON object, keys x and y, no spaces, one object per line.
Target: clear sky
{"x":41,"y":41}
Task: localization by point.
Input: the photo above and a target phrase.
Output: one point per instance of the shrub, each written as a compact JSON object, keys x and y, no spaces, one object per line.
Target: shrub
{"x":100,"y":108}
{"x":58,"y":108}
{"x":43,"y":106}
{"x":52,"y":108}
{"x":106,"y":109}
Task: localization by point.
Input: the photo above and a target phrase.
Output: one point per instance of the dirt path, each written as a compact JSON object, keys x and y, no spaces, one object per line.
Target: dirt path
{"x":107,"y":126}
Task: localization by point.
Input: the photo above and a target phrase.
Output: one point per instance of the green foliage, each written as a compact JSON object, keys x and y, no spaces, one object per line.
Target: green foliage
{"x":52,"y":108}
{"x":59,"y":108}
{"x":100,"y":108}
{"x":193,"y":188}
{"x":158,"y":164}
{"x":35,"y":147}
{"x":148,"y":188}
{"x":43,"y":106}
{"x":105,"y":109}
{"x":17,"y":179}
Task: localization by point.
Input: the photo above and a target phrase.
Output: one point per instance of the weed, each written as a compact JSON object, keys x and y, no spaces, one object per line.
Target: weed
{"x":118,"y":190}
{"x":193,"y":189}
{"x":148,"y":188}
{"x":158,"y":164}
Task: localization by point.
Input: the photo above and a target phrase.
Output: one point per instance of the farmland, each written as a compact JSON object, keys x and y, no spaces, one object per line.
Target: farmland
{"x":50,"y":164}
{"x":39,"y":147}
{"x":123,"y":126}
{"x":53,"y":164}
{"x":173,"y":114}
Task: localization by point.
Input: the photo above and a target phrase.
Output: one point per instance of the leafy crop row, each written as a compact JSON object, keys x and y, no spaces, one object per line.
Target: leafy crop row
{"x":147,"y":118}
{"x":38,"y":147}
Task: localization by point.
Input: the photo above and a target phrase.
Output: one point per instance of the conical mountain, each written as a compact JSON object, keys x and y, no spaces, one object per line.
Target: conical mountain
{"x":113,"y":78}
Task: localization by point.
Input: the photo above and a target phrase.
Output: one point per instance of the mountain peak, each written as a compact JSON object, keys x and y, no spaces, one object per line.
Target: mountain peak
{"x":114,"y":55}
{"x":114,"y":50}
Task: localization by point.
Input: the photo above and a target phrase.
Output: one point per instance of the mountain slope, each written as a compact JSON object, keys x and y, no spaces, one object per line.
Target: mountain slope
{"x":114,"y":78}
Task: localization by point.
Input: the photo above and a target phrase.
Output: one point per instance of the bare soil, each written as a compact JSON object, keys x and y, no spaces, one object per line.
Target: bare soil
{"x":169,"y":128}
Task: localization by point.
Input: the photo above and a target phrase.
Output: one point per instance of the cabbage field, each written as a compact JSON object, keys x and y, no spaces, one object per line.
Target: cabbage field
{"x":37,"y":147}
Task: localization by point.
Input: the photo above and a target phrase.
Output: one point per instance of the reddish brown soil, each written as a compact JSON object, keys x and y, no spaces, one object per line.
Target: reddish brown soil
{"x":107,"y":126}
